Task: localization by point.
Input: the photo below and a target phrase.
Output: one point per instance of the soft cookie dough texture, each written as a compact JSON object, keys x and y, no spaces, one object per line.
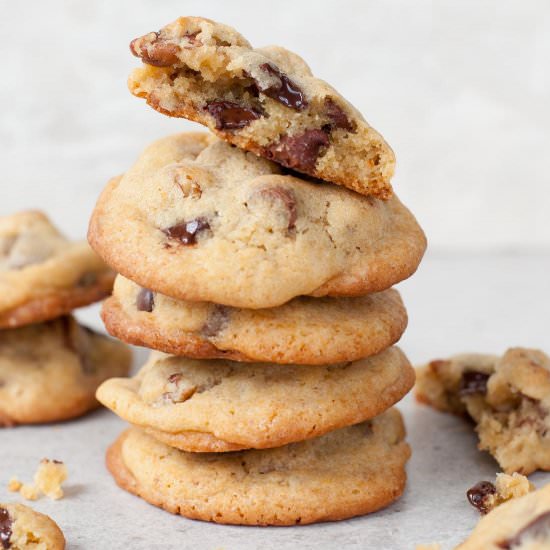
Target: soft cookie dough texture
{"x":221,"y":405}
{"x":347,"y":472}
{"x":508,"y":397}
{"x":22,"y":528}
{"x":263,"y":100}
{"x":42,"y":274}
{"x":199,"y":220}
{"x":305,"y":330}
{"x":50,"y":371}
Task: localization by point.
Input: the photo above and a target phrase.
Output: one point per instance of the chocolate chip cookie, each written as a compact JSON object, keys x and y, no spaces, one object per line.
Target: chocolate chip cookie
{"x":508,"y":397}
{"x":303,"y":331}
{"x":520,"y":524}
{"x":42,"y":274}
{"x":199,"y":220}
{"x":22,"y":528}
{"x":50,"y":371}
{"x":347,"y":472}
{"x":220,"y":405}
{"x":263,"y":100}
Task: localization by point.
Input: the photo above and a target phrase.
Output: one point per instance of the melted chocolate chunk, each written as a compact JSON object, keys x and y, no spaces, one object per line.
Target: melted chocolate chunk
{"x":337,"y":117}
{"x":473,"y":382}
{"x":298,"y":152}
{"x":231,"y":116}
{"x":286,"y":91}
{"x":217,"y":320}
{"x":477,"y":495}
{"x":145,"y":300}
{"x":538,"y":529}
{"x":5,"y":528}
{"x":285,"y":197}
{"x":75,"y":339}
{"x":187,"y":232}
{"x":175,"y":377}
{"x":155,"y":51}
{"x":87,"y":279}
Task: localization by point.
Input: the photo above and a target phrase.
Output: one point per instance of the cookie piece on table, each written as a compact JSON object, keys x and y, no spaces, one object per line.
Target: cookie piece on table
{"x":50,"y":371}
{"x":508,"y":397}
{"x":348,"y":472}
{"x":520,"y":524}
{"x":304,"y":331}
{"x":199,"y":220}
{"x":486,"y":495}
{"x":22,"y":528}
{"x":263,"y":100}
{"x":42,"y":274}
{"x":219,"y":405}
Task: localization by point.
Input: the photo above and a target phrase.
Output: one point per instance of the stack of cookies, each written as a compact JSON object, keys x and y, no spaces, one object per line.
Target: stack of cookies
{"x":50,"y":366}
{"x":259,"y":268}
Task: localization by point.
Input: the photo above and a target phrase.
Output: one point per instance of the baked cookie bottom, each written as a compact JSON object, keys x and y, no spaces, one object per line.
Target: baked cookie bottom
{"x":305,"y":331}
{"x":217,"y":405}
{"x":57,"y":303}
{"x":348,"y":472}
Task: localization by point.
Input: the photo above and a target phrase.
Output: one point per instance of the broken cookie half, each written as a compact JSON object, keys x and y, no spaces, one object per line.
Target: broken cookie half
{"x":263,"y":100}
{"x":508,"y":397}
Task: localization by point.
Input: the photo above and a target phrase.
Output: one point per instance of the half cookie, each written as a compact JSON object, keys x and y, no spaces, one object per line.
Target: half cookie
{"x":22,"y":528}
{"x":348,"y":472}
{"x":508,"y":397}
{"x":263,"y":100}
{"x":304,"y":331}
{"x":197,"y":219}
{"x":50,"y":371}
{"x":220,"y":405}
{"x":42,"y":274}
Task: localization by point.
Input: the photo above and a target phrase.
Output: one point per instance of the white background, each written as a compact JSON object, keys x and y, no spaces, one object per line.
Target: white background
{"x":460,"y":89}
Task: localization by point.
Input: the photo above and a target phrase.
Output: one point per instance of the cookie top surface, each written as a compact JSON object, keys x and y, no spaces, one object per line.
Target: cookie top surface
{"x":42,"y":274}
{"x":361,"y":467}
{"x":520,"y":524}
{"x":263,"y":100}
{"x":508,"y":397}
{"x":197,"y":219}
{"x":23,"y":528}
{"x":255,"y":405}
{"x":50,"y":371}
{"x":304,"y":331}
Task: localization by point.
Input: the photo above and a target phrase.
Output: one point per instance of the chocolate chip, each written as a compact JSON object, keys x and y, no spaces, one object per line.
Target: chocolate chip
{"x":217,"y":320}
{"x":87,"y":279}
{"x":337,"y":117}
{"x":477,"y":495}
{"x":536,"y":530}
{"x":284,"y":197}
{"x":231,"y":116}
{"x":5,"y":528}
{"x":145,"y":300}
{"x":154,"y":50}
{"x":76,"y":340}
{"x":473,"y":382}
{"x":285,"y":91}
{"x":298,"y":152}
{"x":187,"y":232}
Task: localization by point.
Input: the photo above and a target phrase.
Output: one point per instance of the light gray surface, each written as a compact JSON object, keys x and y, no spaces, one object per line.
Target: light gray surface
{"x":456,"y":303}
{"x":459,"y":88}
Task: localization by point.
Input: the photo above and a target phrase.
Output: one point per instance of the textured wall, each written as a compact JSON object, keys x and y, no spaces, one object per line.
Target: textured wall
{"x":460,"y":89}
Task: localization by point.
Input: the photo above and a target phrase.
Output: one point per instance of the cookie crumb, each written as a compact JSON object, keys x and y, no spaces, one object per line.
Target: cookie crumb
{"x":485,"y":496}
{"x":14,"y":485}
{"x":48,"y":479}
